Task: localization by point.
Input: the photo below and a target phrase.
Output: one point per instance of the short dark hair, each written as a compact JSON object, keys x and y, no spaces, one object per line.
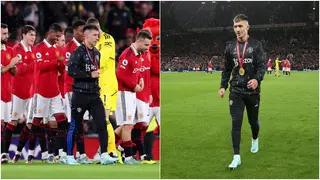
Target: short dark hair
{"x":92,"y":20}
{"x":27,"y":28}
{"x":145,"y":34}
{"x":68,"y":30}
{"x":78,"y":23}
{"x":55,"y":27}
{"x":240,"y":17}
{"x":4,"y":26}
{"x":90,"y":27}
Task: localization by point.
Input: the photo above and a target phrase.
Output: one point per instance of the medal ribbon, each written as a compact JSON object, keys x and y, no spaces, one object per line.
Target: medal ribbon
{"x":91,"y":59}
{"x":243,"y":53}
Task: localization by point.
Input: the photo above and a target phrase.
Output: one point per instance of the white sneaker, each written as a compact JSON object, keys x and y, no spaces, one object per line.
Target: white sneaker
{"x":235,"y":162}
{"x":255,"y":145}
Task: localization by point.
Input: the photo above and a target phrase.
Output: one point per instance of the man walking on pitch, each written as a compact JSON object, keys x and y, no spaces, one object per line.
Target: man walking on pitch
{"x":245,"y":59}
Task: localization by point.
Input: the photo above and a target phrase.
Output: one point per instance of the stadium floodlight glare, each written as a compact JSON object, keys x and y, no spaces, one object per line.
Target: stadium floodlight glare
{"x":203,"y":2}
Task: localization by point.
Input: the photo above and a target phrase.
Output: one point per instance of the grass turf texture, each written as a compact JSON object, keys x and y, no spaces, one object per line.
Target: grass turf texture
{"x":39,"y":170}
{"x":196,"y":128}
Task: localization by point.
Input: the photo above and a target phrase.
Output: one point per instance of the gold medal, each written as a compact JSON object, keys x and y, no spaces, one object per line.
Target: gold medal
{"x":241,"y":71}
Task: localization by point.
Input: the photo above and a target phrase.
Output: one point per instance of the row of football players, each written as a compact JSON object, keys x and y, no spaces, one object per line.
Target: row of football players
{"x":286,"y":67}
{"x":30,"y":74}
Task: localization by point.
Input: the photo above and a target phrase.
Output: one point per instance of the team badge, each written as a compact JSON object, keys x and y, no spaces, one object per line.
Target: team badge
{"x":250,"y":50}
{"x":15,"y":114}
{"x":140,"y":116}
{"x":129,"y":118}
{"x":39,"y":110}
{"x":8,"y":56}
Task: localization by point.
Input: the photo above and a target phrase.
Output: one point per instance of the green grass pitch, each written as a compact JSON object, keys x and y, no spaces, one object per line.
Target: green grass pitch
{"x":39,"y":170}
{"x":196,"y":128}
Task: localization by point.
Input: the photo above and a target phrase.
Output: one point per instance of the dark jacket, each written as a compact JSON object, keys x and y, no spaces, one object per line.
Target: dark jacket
{"x":80,"y":67}
{"x":254,"y":65}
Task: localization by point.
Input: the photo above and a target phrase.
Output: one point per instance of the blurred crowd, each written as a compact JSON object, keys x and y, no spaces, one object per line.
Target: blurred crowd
{"x":184,"y":52}
{"x":181,"y":16}
{"x":118,"y":18}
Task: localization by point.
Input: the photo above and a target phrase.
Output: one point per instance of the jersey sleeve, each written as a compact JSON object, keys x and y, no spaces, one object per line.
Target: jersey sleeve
{"x":226,"y":73}
{"x":261,"y":66}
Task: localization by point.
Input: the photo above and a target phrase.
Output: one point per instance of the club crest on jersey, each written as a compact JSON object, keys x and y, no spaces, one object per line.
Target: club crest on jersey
{"x":140,"y":116}
{"x":97,"y":58}
{"x":250,"y":50}
{"x":125,"y":62}
{"x":15,"y":114}
{"x":38,"y":55}
{"x":39,"y":110}
{"x":67,"y":55}
{"x":129,"y":118}
{"x":8,"y":56}
{"x":57,"y":53}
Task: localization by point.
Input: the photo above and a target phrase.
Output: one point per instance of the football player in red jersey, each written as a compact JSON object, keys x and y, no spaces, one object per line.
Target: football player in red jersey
{"x":284,"y":67}
{"x":22,"y":84}
{"x":130,"y":82}
{"x":210,"y":67}
{"x":269,"y":65}
{"x":288,"y":65}
{"x":8,"y":69}
{"x":47,"y":97}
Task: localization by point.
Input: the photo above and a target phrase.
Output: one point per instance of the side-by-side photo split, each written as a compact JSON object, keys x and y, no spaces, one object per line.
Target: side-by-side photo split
{"x":81,"y":83}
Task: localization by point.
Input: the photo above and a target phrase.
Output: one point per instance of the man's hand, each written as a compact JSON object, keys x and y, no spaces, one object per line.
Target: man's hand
{"x":137,"y":88}
{"x":141,"y":83}
{"x":253,"y":83}
{"x":221,"y":92}
{"x":14,"y":61}
{"x":95,"y":74}
{"x":150,"y":99}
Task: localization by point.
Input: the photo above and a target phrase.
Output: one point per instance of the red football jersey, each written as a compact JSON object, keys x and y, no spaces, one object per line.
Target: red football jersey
{"x":47,"y":68}
{"x":284,"y":64}
{"x":288,"y":64}
{"x":155,"y":80}
{"x":210,"y":65}
{"x":128,"y":71}
{"x":269,"y":64}
{"x":6,"y":78}
{"x":68,"y":49}
{"x":144,"y":95}
{"x":23,"y":80}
